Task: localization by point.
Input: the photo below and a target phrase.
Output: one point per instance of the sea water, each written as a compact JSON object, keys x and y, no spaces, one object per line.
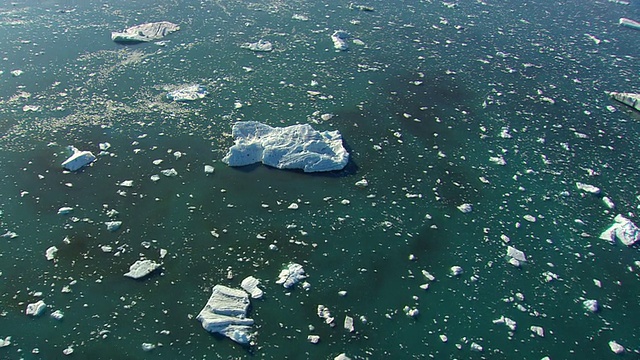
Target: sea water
{"x":496,"y":104}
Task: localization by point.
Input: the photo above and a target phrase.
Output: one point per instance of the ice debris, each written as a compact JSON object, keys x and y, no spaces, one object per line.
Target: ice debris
{"x":465,"y":208}
{"x":505,"y":320}
{"x":538,"y":330}
{"x":57,"y":315}
{"x":591,"y":305}
{"x":65,"y":210}
{"x":78,"y":159}
{"x":113,"y":225}
{"x":36,"y":309}
{"x":291,"y":147}
{"x":615,"y":347}
{"x":188,"y":93}
{"x":291,"y":275}
{"x":324,"y":313}
{"x":208,"y":169}
{"x":588,"y":188}
{"x":348,"y":323}
{"x":50,"y":254}
{"x":145,"y":32}
{"x":629,"y":23}
{"x":456,"y":270}
{"x":225,"y":313}
{"x":623,"y":229}
{"x":630,"y":99}
{"x":515,"y":256}
{"x":259,"y":46}
{"x":142,"y":268}
{"x":339,"y":39}
{"x":342,"y":356}
{"x":5,"y":342}
{"x":250,"y":285}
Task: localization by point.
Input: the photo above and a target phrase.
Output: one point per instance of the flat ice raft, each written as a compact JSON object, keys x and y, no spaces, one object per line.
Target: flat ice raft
{"x":291,"y":147}
{"x":630,"y":99}
{"x":145,"y":32}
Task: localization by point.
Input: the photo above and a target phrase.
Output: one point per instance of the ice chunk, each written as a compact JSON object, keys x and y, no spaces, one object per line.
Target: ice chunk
{"x":250,"y":285}
{"x":113,"y":225}
{"x":324,"y":313}
{"x":188,"y":93}
{"x":505,"y":320}
{"x":36,"y":309}
{"x":145,"y":32}
{"x":516,"y":254}
{"x":456,"y":270}
{"x":630,"y":23}
{"x":58,"y":315}
{"x":291,"y":147}
{"x":342,"y":356}
{"x":623,"y":229}
{"x":538,"y":330}
{"x":50,"y":254}
{"x":291,"y":275}
{"x":142,"y":268}
{"x":339,"y":39}
{"x":126,"y":183}
{"x":362,"y":183}
{"x":591,"y":305}
{"x":348,"y":323}
{"x":225,"y":313}
{"x":9,"y":235}
{"x":314,"y":339}
{"x":208,"y":169}
{"x":588,"y":188}
{"x":5,"y":342}
{"x":16,"y":73}
{"x":476,"y":347}
{"x":260,"y":46}
{"x":78,"y":159}
{"x":148,"y":346}
{"x":65,"y":210}
{"x":615,"y":347}
{"x":169,"y":172}
{"x":465,"y":208}
{"x":607,"y":201}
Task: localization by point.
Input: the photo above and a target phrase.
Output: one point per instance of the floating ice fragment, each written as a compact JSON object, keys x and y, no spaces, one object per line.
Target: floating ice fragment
{"x":615,"y":347}
{"x":250,"y":285}
{"x":538,"y":330}
{"x":339,"y":39}
{"x":50,"y":254}
{"x":259,"y":46}
{"x":443,"y":338}
{"x":126,"y":183}
{"x":188,"y":93}
{"x":300,"y":17}
{"x":104,"y":146}
{"x":148,"y":346}
{"x":291,"y":147}
{"x":78,"y":159}
{"x":293,"y":206}
{"x":342,"y":356}
{"x":169,"y":172}
{"x":588,"y":188}
{"x":208,"y":169}
{"x":623,"y":229}
{"x":362,"y":183}
{"x":16,"y":73}
{"x":154,"y":177}
{"x":314,"y":339}
{"x":225,"y":313}
{"x":505,"y":320}
{"x":145,"y":32}
{"x":498,"y":160}
{"x":476,"y":347}
{"x":456,"y":270}
{"x":324,"y":313}
{"x":141,"y":268}
{"x":65,"y":210}
{"x":113,"y":225}
{"x":9,"y":235}
{"x":5,"y":342}
{"x":348,"y":323}
{"x":530,"y":218}
{"x":36,"y":309}
{"x":591,"y":305}
{"x":465,"y":208}
{"x":291,"y":275}
{"x":608,"y":202}
{"x":58,"y":315}
{"x":68,"y":350}
{"x":513,"y":253}
{"x":411,"y":312}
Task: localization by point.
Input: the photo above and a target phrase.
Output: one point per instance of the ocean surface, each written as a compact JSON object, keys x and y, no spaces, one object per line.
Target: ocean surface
{"x":502,"y":105}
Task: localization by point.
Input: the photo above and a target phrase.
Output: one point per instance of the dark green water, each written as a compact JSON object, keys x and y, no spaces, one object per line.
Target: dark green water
{"x":480,"y":67}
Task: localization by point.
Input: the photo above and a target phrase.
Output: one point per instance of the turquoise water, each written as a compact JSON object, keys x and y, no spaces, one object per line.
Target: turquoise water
{"x":421,"y":107}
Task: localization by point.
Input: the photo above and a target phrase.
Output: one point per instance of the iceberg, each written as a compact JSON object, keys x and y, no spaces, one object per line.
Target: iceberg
{"x":36,"y":309}
{"x":225,"y":313}
{"x":188,"y":93}
{"x":630,"y":23}
{"x":291,"y":275}
{"x":339,"y":39}
{"x":78,"y":159}
{"x":145,"y":32}
{"x":630,"y":99}
{"x":141,"y":268}
{"x":260,"y":46}
{"x":622,"y":229}
{"x":291,"y":147}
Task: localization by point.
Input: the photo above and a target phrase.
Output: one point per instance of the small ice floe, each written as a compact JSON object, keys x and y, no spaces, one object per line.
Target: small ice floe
{"x":5,"y":342}
{"x":591,"y":305}
{"x":615,"y":347}
{"x":50,"y":254}
{"x":9,"y":235}
{"x":78,"y":159}
{"x":515,"y":256}
{"x":476,"y":347}
{"x":57,"y":315}
{"x":142,"y":268}
{"x":538,"y":330}
{"x":144,"y":32}
{"x":208,"y":169}
{"x":348,"y":324}
{"x":325,"y":313}
{"x":259,"y":46}
{"x":65,"y":210}
{"x":508,"y":322}
{"x":314,"y":339}
{"x":529,"y":218}
{"x":300,"y":17}
{"x":456,"y":270}
{"x":169,"y":172}
{"x":608,"y":203}
{"x":339,"y":39}
{"x":226,"y":313}
{"x":362,"y":183}
{"x":342,"y":356}
{"x":126,"y":183}
{"x":411,"y":312}
{"x":113,"y":225}
{"x":148,"y":346}
{"x":250,"y":285}
{"x":27,"y":108}
{"x":465,"y":208}
{"x":36,"y":309}
{"x":291,"y":275}
{"x":588,"y":188}
{"x":16,"y":73}
{"x":498,"y":160}
{"x":188,"y":93}
{"x":623,"y":229}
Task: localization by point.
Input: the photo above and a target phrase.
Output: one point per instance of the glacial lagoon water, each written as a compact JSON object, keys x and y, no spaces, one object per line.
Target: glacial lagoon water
{"x":497,"y":104}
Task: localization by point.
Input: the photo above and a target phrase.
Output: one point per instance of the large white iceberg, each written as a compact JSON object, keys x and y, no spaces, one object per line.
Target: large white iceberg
{"x":225,"y":313}
{"x":623,"y":229}
{"x":291,"y":147}
{"x":78,"y":159}
{"x":145,"y":32}
{"x":188,"y":93}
